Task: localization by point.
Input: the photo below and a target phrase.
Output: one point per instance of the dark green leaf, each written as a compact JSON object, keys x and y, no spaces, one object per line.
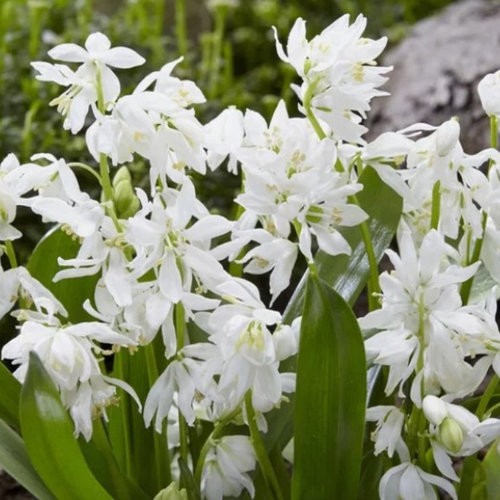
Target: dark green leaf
{"x":491,"y":468}
{"x":187,"y":481}
{"x":142,"y":452}
{"x":9,"y":397}
{"x":48,"y":434}
{"x":103,"y":465}
{"x":43,"y":266}
{"x":329,"y":416}
{"x":15,"y":461}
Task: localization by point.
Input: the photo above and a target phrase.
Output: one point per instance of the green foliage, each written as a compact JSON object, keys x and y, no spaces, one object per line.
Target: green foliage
{"x":16,"y":462}
{"x":48,"y":434}
{"x":330,"y":399}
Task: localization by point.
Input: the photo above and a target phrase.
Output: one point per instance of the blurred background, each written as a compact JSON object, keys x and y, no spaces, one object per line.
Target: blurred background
{"x":228,"y":47}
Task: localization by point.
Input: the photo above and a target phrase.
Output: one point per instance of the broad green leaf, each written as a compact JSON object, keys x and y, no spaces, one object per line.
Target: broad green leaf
{"x":329,"y":415}
{"x":103,"y":464}
{"x":15,"y":461}
{"x":346,"y":274}
{"x":10,"y":391}
{"x":48,"y":434}
{"x":491,"y":468}
{"x":43,"y":266}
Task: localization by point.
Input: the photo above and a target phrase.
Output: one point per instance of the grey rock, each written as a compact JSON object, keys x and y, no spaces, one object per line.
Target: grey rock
{"x":437,"y":69}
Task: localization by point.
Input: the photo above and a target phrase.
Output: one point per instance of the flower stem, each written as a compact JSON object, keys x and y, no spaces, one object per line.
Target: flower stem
{"x":180,"y":27}
{"x":466,"y":287}
{"x":88,"y":169}
{"x":260,"y":450}
{"x":162,"y":460}
{"x":211,"y":440}
{"x":436,"y":205}
{"x":180,"y":327}
{"x":218,"y":36}
{"x":486,"y":397}
{"x":11,"y":254}
{"x":309,"y":113}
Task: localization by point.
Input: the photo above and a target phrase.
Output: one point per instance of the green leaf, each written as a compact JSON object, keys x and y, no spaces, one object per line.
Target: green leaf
{"x":9,"y":398}
{"x":187,"y":481}
{"x":491,"y":468}
{"x":329,"y":416}
{"x":346,"y":274}
{"x":48,"y":434}
{"x":43,"y":266}
{"x":103,"y":464}
{"x":142,"y":452}
{"x":15,"y":461}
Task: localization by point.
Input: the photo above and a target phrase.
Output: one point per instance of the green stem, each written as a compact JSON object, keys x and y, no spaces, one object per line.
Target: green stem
{"x":180,"y":327}
{"x":107,"y":187}
{"x":282,"y":474}
{"x":87,"y":168}
{"x":180,"y":26}
{"x":260,"y":450}
{"x":309,"y":113}
{"x":220,"y":18}
{"x":11,"y":254}
{"x":211,"y":441}
{"x":466,"y":287}
{"x":436,"y":205}
{"x":486,"y":397}
{"x":373,"y":283}
{"x":119,"y":373}
{"x":162,"y":460}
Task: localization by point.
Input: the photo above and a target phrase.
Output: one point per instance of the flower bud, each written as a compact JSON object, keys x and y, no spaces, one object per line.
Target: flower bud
{"x":126,"y":202}
{"x":489,"y":93}
{"x":447,"y":137}
{"x":172,"y":493}
{"x":435,"y":410}
{"x":451,"y":435}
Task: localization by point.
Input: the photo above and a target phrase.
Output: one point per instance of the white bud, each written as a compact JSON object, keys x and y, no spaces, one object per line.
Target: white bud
{"x":489,"y":93}
{"x":435,"y":410}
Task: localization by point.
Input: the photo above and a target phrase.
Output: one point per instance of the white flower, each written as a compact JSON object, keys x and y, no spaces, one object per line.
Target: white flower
{"x":456,"y":432}
{"x":422,"y":310}
{"x":409,"y":482}
{"x":339,"y":73}
{"x":225,"y":472}
{"x":97,"y":50}
{"x":387,"y":434}
{"x":243,"y":353}
{"x":18,"y":282}
{"x":178,"y":378}
{"x":489,"y":93}
{"x":89,"y":79}
{"x":67,"y":354}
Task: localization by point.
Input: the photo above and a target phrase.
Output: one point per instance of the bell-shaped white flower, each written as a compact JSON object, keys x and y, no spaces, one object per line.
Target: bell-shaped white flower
{"x":226,"y":468}
{"x":489,"y":93}
{"x":409,"y":482}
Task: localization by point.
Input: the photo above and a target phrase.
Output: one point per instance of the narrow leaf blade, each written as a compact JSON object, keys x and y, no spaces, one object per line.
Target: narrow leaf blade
{"x":15,"y":461}
{"x":9,"y":397}
{"x":330,"y":401}
{"x":48,"y":434}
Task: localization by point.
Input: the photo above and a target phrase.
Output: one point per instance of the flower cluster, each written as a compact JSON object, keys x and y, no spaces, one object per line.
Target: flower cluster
{"x":158,"y":255}
{"x":434,"y":332}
